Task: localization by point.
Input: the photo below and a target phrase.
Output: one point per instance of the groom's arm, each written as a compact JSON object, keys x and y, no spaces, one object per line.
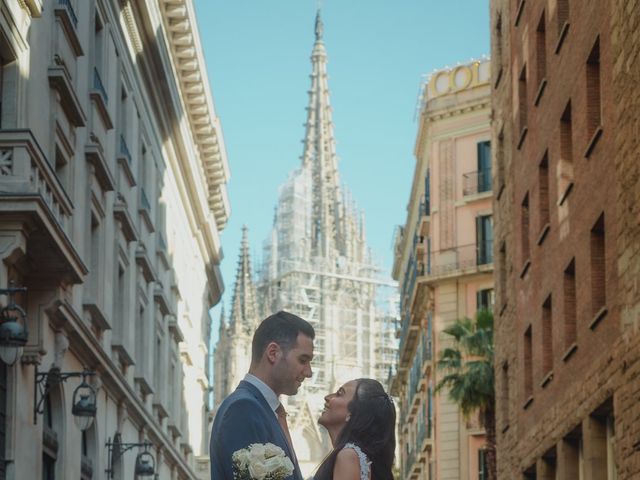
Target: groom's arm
{"x":242,"y":425}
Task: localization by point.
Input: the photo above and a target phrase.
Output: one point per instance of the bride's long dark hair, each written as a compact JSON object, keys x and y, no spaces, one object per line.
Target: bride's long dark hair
{"x":371,"y":426}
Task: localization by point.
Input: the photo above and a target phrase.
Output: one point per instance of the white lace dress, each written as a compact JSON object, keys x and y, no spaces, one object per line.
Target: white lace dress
{"x":365,"y":464}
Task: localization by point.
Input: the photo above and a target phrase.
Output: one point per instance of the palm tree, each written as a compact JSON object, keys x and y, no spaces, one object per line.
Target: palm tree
{"x":469,"y":377}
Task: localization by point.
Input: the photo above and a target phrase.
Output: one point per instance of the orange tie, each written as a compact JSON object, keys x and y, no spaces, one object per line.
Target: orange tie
{"x":282,"y":420}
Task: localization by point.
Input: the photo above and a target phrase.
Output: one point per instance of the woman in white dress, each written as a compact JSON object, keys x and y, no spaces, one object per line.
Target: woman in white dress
{"x":360,"y":418}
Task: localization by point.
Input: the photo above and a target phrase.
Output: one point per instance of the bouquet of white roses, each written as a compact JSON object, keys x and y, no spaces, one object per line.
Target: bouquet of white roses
{"x":261,"y":461}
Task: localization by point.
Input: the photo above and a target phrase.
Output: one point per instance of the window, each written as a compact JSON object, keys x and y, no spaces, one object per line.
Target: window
{"x":504,"y":390}
{"x":530,"y":473}
{"x":62,"y":172}
{"x":524,"y":229}
{"x":503,"y":274}
{"x":484,"y":166}
{"x":594,"y":115}
{"x":49,"y":441}
{"x":98,"y":58}
{"x":3,"y":419}
{"x":543,"y":197}
{"x":484,"y":239}
{"x":498,"y":48}
{"x":482,"y":464}
{"x":547,"y":337}
{"x":86,"y":464}
{"x":522,"y":104}
{"x":598,"y":273}
{"x":569,"y":290}
{"x":500,"y":163}
{"x":562,"y":16}
{"x":528,"y":365}
{"x":541,"y":56}
{"x":565,"y":167}
{"x":549,"y":463}
{"x":569,"y":453}
{"x":2,"y":63}
{"x":598,"y":440}
{"x":485,"y":299}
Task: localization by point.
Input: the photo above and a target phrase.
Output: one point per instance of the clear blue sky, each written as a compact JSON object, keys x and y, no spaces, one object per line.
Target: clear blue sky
{"x":257,"y":54}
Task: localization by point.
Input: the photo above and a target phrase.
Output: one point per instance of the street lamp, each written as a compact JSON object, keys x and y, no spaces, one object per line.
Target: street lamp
{"x":13,"y":327}
{"x":84,"y":397}
{"x":145,"y":465}
{"x":84,"y":408}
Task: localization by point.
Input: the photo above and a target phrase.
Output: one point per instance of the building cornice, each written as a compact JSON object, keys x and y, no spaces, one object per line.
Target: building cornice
{"x":184,"y":40}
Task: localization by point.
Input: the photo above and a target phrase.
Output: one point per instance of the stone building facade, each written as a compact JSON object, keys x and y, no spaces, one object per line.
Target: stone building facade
{"x":565,"y":135}
{"x":112,"y":195}
{"x":443,"y":263}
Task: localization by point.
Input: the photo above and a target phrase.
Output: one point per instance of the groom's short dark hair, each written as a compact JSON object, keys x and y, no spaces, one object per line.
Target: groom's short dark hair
{"x":282,"y":328}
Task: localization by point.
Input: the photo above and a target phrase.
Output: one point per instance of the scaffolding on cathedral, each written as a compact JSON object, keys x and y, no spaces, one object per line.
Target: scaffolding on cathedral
{"x":316,"y":264}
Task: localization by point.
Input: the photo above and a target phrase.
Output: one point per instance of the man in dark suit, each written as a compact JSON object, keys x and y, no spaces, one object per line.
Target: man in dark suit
{"x":281,"y":353}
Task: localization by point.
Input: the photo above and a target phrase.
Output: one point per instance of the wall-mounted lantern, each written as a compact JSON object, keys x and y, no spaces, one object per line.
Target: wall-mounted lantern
{"x":13,"y":326}
{"x":145,"y":465}
{"x":84,"y":397}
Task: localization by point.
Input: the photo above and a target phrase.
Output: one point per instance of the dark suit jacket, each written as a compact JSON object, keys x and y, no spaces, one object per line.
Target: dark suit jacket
{"x":243,"y":418}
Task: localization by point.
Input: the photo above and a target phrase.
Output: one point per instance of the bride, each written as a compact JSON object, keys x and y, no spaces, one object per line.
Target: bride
{"x":360,"y":419}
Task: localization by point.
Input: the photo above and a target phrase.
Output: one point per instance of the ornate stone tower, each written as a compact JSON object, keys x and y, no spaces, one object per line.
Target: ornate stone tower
{"x":233,"y":350}
{"x":317,"y":264}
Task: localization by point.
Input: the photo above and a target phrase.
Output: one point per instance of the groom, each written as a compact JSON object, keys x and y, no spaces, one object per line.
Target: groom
{"x":281,"y":353}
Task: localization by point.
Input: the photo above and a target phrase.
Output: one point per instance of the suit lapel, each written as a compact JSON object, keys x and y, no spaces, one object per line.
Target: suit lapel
{"x":273,"y":423}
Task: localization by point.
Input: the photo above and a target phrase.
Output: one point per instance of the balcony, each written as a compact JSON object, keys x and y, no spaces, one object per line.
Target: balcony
{"x":33,"y":196}
{"x":424,"y":216}
{"x":72,"y":14}
{"x":474,"y":183}
{"x":126,"y":161}
{"x":145,"y":210}
{"x":462,"y":260}
{"x":424,"y":433}
{"x":99,"y":96}
{"x":420,"y":369}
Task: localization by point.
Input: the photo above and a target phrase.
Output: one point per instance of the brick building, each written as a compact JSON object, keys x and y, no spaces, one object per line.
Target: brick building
{"x":566,"y":183}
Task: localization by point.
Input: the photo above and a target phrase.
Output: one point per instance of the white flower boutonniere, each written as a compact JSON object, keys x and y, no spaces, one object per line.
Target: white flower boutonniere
{"x":261,"y":461}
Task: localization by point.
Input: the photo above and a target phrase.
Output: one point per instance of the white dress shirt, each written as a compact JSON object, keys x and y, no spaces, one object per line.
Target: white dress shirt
{"x":268,"y":394}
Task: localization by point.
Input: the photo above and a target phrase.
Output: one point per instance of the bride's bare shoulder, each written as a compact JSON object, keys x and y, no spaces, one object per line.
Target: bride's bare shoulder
{"x":347,"y":466}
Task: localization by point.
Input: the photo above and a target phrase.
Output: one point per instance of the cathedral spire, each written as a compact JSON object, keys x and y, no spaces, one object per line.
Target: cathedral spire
{"x":222,"y":329}
{"x":319,"y":26}
{"x":244,"y":307}
{"x":320,"y":157}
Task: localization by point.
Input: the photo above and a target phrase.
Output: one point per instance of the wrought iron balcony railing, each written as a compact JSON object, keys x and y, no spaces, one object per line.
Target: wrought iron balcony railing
{"x":476,"y":182}
{"x":99,"y":86}
{"x":124,"y":150}
{"x":72,"y":13}
{"x":458,"y":259}
{"x":144,"y":201}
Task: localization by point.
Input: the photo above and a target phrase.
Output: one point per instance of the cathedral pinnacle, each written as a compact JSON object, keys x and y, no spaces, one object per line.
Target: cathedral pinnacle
{"x":319,"y":27}
{"x":244,"y":312}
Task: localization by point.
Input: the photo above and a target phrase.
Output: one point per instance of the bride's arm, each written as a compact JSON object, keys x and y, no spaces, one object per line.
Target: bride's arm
{"x":347,"y":466}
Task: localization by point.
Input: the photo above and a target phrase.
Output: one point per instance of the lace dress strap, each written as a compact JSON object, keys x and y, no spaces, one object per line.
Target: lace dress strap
{"x":365,"y":464}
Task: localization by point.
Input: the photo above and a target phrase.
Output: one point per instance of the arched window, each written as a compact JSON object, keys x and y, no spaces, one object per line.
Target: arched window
{"x":86,"y":459}
{"x":3,"y":418}
{"x":49,"y":442}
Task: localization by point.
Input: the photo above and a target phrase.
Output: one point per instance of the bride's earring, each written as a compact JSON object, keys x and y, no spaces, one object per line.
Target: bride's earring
{"x":347,"y":419}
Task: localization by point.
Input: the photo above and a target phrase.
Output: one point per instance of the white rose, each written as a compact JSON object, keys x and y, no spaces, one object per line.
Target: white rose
{"x":257,"y":451}
{"x":288,"y":466}
{"x":279,"y":465}
{"x":257,"y":470}
{"x":271,"y":450}
{"x":241,"y":457}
